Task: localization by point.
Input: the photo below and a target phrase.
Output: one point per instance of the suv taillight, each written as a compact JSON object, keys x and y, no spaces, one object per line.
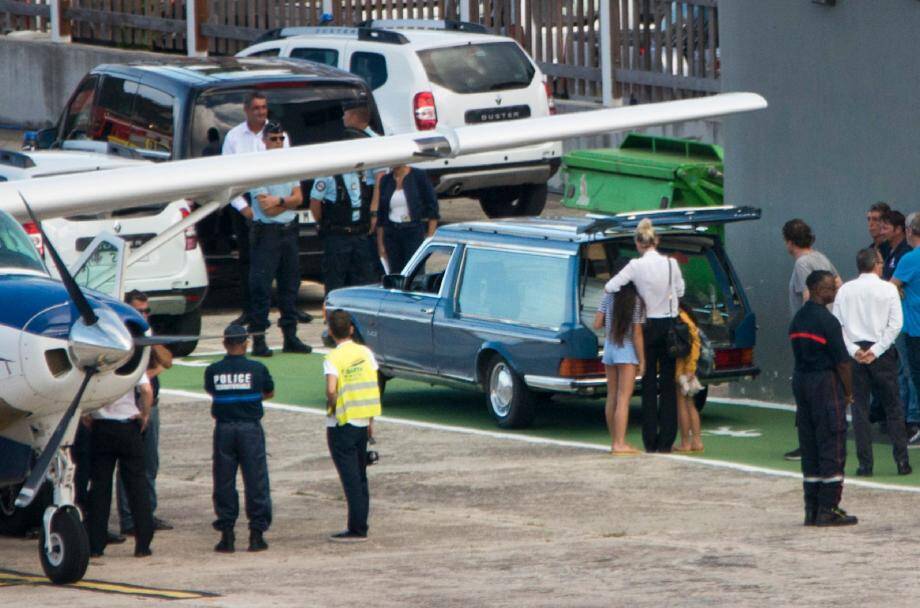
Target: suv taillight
{"x":550,"y":100}
{"x":191,"y":236}
{"x":36,"y":236}
{"x":426,"y":115}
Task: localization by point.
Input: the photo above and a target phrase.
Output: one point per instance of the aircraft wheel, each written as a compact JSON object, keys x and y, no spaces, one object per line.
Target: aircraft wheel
{"x":68,"y":558}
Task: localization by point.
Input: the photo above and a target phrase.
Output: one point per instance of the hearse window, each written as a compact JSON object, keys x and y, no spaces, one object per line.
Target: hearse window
{"x":372,"y":67}
{"x":429,"y":273}
{"x":310,"y":114}
{"x":324,"y":56}
{"x":77,"y":122}
{"x":525,"y":288}
{"x":266,"y":53}
{"x":153,"y":112}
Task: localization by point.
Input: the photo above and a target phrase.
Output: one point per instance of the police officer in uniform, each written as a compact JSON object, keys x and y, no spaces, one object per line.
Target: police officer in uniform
{"x":237,"y":387}
{"x":275,"y":255}
{"x":352,"y":401}
{"x":822,"y":385}
{"x":344,"y":218}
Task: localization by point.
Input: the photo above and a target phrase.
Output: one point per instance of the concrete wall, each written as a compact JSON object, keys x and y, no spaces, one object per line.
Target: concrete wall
{"x":841,"y":132}
{"x":37,"y":76}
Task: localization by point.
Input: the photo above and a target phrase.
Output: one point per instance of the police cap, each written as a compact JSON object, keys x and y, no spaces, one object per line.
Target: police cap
{"x":235,"y":333}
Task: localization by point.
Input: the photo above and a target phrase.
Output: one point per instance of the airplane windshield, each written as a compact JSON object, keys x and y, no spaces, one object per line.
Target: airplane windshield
{"x":16,"y":249}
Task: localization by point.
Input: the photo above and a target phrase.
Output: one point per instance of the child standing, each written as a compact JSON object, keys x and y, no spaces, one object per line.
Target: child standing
{"x":688,"y":385}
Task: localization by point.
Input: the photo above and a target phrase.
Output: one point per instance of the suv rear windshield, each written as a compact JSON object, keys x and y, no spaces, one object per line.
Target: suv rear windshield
{"x":478,"y":68}
{"x":710,"y":293}
{"x":310,"y":113}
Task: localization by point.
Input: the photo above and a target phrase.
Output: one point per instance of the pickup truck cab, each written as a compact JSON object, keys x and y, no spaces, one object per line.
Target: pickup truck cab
{"x":507,"y":306}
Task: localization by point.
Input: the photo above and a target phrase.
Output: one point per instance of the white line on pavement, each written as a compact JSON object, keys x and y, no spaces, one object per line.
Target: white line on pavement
{"x":559,"y":442}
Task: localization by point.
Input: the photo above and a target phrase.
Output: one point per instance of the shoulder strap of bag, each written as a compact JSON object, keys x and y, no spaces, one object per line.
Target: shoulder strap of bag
{"x":670,"y":289}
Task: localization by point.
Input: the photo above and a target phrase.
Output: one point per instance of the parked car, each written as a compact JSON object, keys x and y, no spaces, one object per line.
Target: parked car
{"x":182,"y":108}
{"x":174,"y":276}
{"x":507,"y":305}
{"x":426,"y":74}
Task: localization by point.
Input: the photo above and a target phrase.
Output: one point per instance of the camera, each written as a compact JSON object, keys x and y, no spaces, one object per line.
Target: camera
{"x":372,"y":455}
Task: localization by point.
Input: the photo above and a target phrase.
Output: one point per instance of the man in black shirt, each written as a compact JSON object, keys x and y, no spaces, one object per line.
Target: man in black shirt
{"x":237,"y":386}
{"x":822,"y":385}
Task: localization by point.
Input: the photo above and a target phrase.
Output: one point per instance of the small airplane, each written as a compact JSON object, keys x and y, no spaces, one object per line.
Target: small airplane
{"x":65,"y":351}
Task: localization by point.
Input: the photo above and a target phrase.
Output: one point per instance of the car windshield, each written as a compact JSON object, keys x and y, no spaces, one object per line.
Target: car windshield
{"x":16,"y":249}
{"x":478,"y":68}
{"x":710,"y":292}
{"x":310,"y":114}
{"x":501,"y":285}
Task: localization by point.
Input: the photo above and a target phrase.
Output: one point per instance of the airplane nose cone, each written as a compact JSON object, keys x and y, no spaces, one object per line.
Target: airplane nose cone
{"x":105,"y":345}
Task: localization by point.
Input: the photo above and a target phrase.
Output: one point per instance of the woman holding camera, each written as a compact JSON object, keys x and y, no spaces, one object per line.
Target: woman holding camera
{"x":660,"y":284}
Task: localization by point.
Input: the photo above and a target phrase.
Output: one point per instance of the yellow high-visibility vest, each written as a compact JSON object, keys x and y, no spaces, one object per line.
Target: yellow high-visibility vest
{"x":359,"y":393}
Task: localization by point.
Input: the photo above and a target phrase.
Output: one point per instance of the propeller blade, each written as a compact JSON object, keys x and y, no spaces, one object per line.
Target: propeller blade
{"x":154,"y":340}
{"x":79,"y":300}
{"x":40,"y":470}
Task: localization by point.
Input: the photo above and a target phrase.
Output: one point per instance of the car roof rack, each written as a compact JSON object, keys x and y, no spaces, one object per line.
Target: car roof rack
{"x":678,"y":216}
{"x":448,"y":25}
{"x":19,"y":160}
{"x":359,"y":33}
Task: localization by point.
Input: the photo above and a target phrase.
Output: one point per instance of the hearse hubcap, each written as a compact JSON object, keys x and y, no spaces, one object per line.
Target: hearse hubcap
{"x":501,"y":389}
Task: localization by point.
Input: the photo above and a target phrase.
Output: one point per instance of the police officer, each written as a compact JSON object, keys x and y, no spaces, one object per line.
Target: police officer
{"x":822,"y":385}
{"x":237,"y":387}
{"x":352,"y":401}
{"x":275,"y":255}
{"x":344,"y":217}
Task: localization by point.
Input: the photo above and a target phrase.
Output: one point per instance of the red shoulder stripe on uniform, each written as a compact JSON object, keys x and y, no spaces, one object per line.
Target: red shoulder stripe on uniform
{"x":807,"y":336}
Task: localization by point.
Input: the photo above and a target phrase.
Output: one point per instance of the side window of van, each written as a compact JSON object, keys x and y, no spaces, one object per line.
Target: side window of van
{"x":372,"y":67}
{"x":324,"y":56}
{"x":153,"y":119}
{"x":78,"y":120}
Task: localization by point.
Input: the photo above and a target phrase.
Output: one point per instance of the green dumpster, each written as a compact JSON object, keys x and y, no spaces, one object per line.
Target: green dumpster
{"x":645,"y":172}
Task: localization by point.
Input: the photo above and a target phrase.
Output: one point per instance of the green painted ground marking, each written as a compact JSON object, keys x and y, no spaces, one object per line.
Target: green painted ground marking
{"x":726,"y":426}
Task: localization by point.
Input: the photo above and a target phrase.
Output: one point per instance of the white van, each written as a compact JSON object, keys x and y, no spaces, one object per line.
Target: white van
{"x":429,"y":73}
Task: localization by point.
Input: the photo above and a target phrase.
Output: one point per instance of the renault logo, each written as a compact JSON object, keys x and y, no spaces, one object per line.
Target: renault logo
{"x":117,"y":227}
{"x":498,"y":100}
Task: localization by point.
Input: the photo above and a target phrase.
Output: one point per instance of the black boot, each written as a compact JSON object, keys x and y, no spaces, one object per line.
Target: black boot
{"x":303,"y":317}
{"x":811,"y":515}
{"x":256,"y":542}
{"x":834,"y":517}
{"x":260,"y":348}
{"x":227,"y":539}
{"x":292,"y":343}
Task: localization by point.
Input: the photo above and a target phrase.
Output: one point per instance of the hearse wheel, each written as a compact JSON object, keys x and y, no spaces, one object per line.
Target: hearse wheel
{"x":68,"y":556}
{"x":508,"y":400}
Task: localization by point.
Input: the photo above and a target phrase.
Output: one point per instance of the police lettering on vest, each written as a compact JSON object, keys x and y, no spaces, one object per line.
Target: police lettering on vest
{"x":358,"y":391}
{"x":236,"y":385}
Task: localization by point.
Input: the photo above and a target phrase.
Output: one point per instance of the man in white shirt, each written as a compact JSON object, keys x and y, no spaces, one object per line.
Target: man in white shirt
{"x":869,"y":309}
{"x":116,"y":440}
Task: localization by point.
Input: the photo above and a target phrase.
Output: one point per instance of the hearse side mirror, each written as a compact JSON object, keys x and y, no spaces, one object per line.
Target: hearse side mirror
{"x":394,"y":281}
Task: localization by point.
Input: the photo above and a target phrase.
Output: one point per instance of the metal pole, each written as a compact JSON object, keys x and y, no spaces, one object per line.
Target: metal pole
{"x":191,"y":30}
{"x":464,"y":10}
{"x":606,"y":58}
{"x":59,"y":32}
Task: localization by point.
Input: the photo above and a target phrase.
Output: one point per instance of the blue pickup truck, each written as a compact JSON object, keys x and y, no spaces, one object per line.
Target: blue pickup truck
{"x":507,"y":306}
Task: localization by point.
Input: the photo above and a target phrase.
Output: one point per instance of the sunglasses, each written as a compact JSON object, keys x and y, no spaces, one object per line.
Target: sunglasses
{"x":144,"y":311}
{"x":276,"y":138}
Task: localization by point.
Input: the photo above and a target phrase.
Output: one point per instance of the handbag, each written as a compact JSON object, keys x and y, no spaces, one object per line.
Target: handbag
{"x":678,"y":338}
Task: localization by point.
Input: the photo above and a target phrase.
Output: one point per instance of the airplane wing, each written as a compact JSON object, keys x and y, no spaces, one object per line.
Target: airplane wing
{"x":219,"y":178}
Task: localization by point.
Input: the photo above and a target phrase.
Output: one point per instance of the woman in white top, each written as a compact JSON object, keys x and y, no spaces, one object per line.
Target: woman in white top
{"x":406,"y":208}
{"x":660,"y":284}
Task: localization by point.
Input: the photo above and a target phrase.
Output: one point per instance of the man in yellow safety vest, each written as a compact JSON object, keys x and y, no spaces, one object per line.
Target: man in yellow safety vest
{"x":352,"y":401}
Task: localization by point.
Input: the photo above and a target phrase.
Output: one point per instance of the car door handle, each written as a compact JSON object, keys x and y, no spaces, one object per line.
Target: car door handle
{"x":427,"y":310}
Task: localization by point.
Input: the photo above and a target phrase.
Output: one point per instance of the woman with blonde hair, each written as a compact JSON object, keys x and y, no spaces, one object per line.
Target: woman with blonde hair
{"x":660,"y":284}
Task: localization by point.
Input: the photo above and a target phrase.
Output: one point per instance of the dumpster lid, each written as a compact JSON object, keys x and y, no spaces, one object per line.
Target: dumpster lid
{"x":648,"y":156}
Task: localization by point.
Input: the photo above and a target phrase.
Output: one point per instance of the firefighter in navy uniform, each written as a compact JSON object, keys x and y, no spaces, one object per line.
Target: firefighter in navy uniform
{"x":237,"y":386}
{"x":822,"y":385}
{"x":345,"y":222}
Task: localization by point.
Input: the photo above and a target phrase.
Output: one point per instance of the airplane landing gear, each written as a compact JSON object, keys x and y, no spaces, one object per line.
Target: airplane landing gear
{"x":64,"y":546}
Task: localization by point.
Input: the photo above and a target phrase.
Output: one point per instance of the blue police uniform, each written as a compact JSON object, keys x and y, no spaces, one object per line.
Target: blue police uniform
{"x":274,"y":255}
{"x":236,"y":385}
{"x":347,"y":248}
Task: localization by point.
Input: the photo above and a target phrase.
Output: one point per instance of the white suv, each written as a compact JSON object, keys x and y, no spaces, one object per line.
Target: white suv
{"x":173,"y":276}
{"x":430,"y":73}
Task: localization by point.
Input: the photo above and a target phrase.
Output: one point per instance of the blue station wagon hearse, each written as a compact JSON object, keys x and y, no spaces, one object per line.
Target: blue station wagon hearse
{"x":506,"y":306}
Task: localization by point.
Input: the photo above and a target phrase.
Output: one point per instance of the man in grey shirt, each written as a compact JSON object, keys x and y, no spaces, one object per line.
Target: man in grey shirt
{"x":799,"y":240}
